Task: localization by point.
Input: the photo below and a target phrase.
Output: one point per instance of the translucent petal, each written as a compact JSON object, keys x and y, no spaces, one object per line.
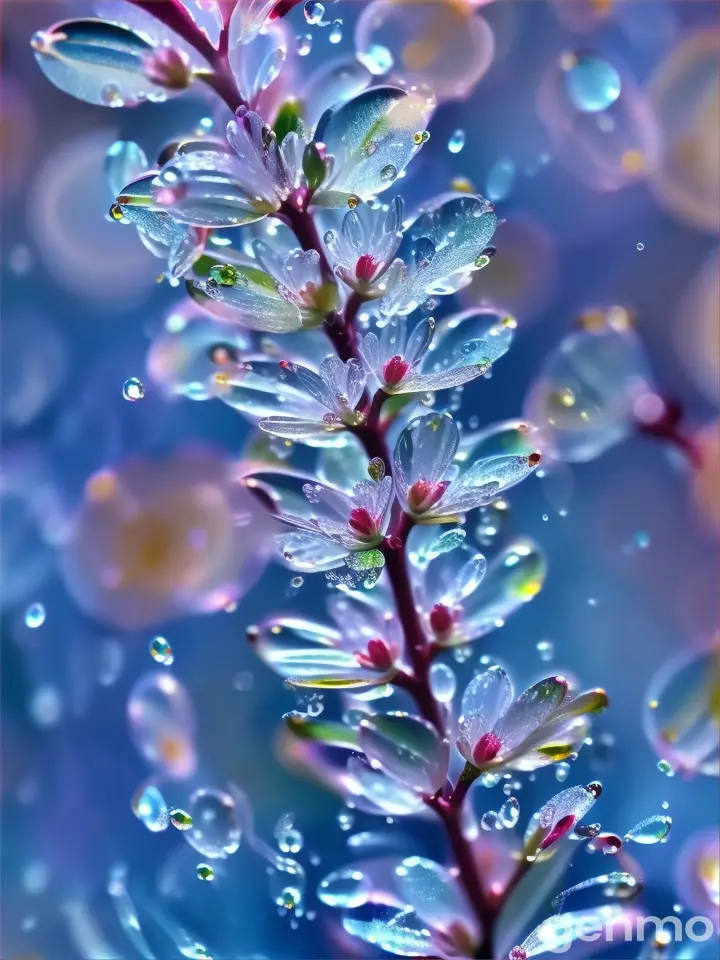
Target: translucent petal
{"x":490,"y":331}
{"x":125,"y":161}
{"x":482,"y":481}
{"x":98,"y":62}
{"x":573,"y":802}
{"x":386,"y":794}
{"x":488,"y":695}
{"x":373,"y":138}
{"x":509,"y":437}
{"x":452,"y":576}
{"x":529,"y":711}
{"x":401,"y":933}
{"x":292,"y":428}
{"x":255,"y":303}
{"x":425,"y":450}
{"x":343,"y":467}
{"x":513,"y":578}
{"x":407,"y":748}
{"x":557,"y":933}
{"x":140,"y":21}
{"x":309,"y":655}
{"x":460,"y":228}
{"x":256,"y":64}
{"x":126,"y":911}
{"x":207,"y":16}
{"x":430,"y":890}
{"x":583,"y":399}
{"x":162,"y":724}
{"x":260,"y":389}
{"x":682,"y":712}
{"x":335,"y":82}
{"x":248,"y":18}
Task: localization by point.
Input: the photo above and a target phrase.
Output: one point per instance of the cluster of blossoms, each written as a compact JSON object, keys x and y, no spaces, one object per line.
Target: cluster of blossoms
{"x":316,"y":302}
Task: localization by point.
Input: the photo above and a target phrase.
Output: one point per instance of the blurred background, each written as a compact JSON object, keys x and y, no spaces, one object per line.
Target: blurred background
{"x":625,"y":215}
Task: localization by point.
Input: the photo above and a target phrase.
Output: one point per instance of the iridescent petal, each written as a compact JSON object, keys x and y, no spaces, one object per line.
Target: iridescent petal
{"x":125,"y":161}
{"x":162,"y":724}
{"x":425,"y":450}
{"x":482,"y":481}
{"x":255,"y":302}
{"x":98,"y":62}
{"x":407,"y":748}
{"x":373,"y":137}
{"x":451,"y":577}
{"x":335,"y":82}
{"x":248,"y":19}
{"x":388,"y":795}
{"x":529,"y":711}
{"x":432,"y":892}
{"x":490,"y":333}
{"x":133,"y":17}
{"x":399,"y":932}
{"x":255,"y":63}
{"x":489,"y":695}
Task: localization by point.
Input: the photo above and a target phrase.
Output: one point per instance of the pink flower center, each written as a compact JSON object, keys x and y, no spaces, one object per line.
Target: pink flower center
{"x":365,"y":267}
{"x":441,"y":620}
{"x":363,"y":523}
{"x":379,"y":656}
{"x":424,"y":494}
{"x":560,"y":828}
{"x":517,"y":953}
{"x":394,"y":370}
{"x":486,"y":749}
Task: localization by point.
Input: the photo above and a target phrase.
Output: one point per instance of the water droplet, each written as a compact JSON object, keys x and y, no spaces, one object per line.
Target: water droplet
{"x":110,"y":95}
{"x":592,"y":83}
{"x":509,"y":812}
{"x":35,"y":616}
{"x":150,"y":808}
{"x":562,"y":772}
{"x":345,"y":819}
{"x":226,"y":275}
{"x":462,"y":653}
{"x":641,"y":246}
{"x":664,"y":766}
{"x":665,"y":805}
{"x":205,"y":872}
{"x":388,"y":173}
{"x":546,"y":649}
{"x":424,"y":252}
{"x":296,"y":583}
{"x":335,"y":35}
{"x":347,"y":888}
{"x":443,"y":682}
{"x":378,"y":59}
{"x":161,"y":651}
{"x":314,"y":12}
{"x":490,"y":779}
{"x":488,"y":820}
{"x":456,"y":141}
{"x":133,"y":389}
{"x":215,"y":831}
{"x":46,"y":706}
{"x":290,"y":841}
{"x":500,"y":180}
{"x":651,"y":830}
{"x":304,"y":44}
{"x":180,"y":819}
{"x":287,"y":883}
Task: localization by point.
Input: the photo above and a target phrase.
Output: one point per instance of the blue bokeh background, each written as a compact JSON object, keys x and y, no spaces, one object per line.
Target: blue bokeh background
{"x":66,"y":790}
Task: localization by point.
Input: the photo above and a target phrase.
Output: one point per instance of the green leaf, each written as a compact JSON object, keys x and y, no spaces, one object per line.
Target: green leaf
{"x":331,"y":734}
{"x":288,"y":119}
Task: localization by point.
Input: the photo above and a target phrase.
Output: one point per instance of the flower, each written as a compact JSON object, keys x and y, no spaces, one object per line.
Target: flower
{"x":463,"y":598}
{"x":362,"y":251}
{"x":423,"y":457}
{"x":300,"y":280}
{"x":338,"y":525}
{"x":542,"y":726}
{"x":128,"y":176}
{"x":362,"y":649}
{"x":168,"y":67}
{"x":395,"y":357}
{"x":154,"y":541}
{"x":337,"y":386}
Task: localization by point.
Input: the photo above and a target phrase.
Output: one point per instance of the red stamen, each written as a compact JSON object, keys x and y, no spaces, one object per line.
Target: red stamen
{"x":365,"y":267}
{"x":441,"y":620}
{"x":394,"y":370}
{"x":362,"y":522}
{"x":486,"y":749}
{"x":424,"y":494}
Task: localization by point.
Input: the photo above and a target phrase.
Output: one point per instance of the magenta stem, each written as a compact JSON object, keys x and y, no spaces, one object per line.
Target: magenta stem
{"x":418,"y":650}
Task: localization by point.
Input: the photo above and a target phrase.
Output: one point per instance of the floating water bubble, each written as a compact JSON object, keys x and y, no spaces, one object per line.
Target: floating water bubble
{"x":546,"y":649}
{"x":345,"y":819}
{"x":161,"y":651}
{"x":490,"y":779}
{"x":443,"y":682}
{"x":290,"y":841}
{"x":304,"y":44}
{"x":651,"y":830}
{"x":150,"y":808}
{"x":214,"y":832}
{"x":46,"y":706}
{"x":162,"y":723}
{"x":500,"y":180}
{"x":347,"y":888}
{"x":488,"y":821}
{"x":592,"y":83}
{"x":314,"y":12}
{"x":456,"y":141}
{"x":205,"y":872}
{"x":296,"y":583}
{"x":336,"y":33}
{"x":287,"y":883}
{"x":664,"y":766}
{"x":377,"y":59}
{"x":640,"y":246}
{"x":35,"y":616}
{"x":180,"y":819}
{"x":509,"y":812}
{"x":562,"y":772}
{"x":133,"y":389}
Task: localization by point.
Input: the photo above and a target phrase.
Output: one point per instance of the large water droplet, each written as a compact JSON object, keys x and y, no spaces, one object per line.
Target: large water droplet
{"x":150,"y":808}
{"x":335,"y":35}
{"x":161,"y":651}
{"x":592,"y":83}
{"x":488,"y":820}
{"x":347,"y":888}
{"x":133,"y":389}
{"x":314,"y":12}
{"x":443,"y":682}
{"x":456,"y":141}
{"x":215,"y":832}
{"x":650,"y":830}
{"x":35,"y":616}
{"x":509,"y":812}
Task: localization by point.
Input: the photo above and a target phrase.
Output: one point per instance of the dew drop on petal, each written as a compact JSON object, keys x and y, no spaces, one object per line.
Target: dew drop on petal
{"x":133,"y":389}
{"x":456,"y":141}
{"x":388,"y":173}
{"x":214,"y":832}
{"x":161,"y":651}
{"x":336,"y":32}
{"x":509,"y":812}
{"x":443,"y":682}
{"x":150,"y":808}
{"x":488,"y":821}
{"x":651,"y":830}
{"x":205,"y":872}
{"x":35,"y":616}
{"x":180,"y":819}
